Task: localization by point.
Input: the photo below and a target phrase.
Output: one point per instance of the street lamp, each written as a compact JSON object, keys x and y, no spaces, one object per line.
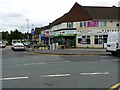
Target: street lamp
{"x":27,"y":27}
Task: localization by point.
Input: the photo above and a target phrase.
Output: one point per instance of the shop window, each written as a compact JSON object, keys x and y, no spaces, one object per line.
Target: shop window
{"x":88,"y":39}
{"x":105,"y":38}
{"x":84,"y":40}
{"x":70,"y":25}
{"x":98,"y":39}
{"x":79,"y":40}
{"x":83,"y":24}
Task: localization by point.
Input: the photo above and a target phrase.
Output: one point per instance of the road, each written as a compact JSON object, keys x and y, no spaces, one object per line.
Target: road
{"x":21,"y":69}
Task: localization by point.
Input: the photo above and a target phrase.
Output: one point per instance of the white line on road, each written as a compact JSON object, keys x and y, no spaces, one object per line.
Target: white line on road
{"x":96,"y":73}
{"x":33,"y":63}
{"x":14,"y":78}
{"x":55,"y":62}
{"x":57,"y":75}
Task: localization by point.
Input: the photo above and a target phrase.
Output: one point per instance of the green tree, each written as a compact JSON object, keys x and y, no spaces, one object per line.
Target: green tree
{"x":5,"y":35}
{"x":16,"y":34}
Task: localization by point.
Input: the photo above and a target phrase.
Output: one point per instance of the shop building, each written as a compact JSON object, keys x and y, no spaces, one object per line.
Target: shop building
{"x":83,"y":26}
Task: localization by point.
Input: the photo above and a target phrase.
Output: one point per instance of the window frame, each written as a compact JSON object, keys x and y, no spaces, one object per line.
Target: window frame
{"x":83,"y":24}
{"x":70,"y":25}
{"x":103,"y":23}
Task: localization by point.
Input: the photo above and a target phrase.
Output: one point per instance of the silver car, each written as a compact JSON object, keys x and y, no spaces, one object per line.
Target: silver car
{"x":18,"y":46}
{"x":2,"y":45}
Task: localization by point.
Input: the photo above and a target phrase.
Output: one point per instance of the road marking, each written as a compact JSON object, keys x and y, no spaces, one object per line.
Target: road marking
{"x":109,"y":59}
{"x":55,"y":62}
{"x":33,"y":63}
{"x":14,"y":78}
{"x":96,"y":73}
{"x":115,"y":86}
{"x":56,"y":75}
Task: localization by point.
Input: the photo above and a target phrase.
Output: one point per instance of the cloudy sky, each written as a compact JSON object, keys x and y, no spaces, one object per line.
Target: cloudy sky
{"x":13,"y":13}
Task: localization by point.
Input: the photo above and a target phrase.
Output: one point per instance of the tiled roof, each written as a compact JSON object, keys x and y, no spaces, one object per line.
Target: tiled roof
{"x":83,"y":13}
{"x":77,"y":13}
{"x":38,"y":30}
{"x":102,"y":12}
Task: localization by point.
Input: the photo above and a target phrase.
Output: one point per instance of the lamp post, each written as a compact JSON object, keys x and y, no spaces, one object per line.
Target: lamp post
{"x":27,"y":27}
{"x":32,"y":32}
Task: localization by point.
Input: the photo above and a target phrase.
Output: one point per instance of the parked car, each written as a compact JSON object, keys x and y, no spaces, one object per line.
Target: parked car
{"x":113,"y":43}
{"x":18,"y":46}
{"x":27,"y":44}
{"x":2,"y":44}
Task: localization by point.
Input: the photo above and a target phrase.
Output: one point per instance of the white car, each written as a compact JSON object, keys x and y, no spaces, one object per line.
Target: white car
{"x":2,"y":44}
{"x":18,"y":46}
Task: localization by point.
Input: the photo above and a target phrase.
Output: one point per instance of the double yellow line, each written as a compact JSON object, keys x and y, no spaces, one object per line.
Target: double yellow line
{"x":115,"y":86}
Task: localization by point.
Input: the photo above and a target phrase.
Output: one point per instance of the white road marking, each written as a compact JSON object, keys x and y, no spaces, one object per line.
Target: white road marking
{"x":96,"y":73}
{"x":55,"y":62}
{"x":14,"y":78}
{"x":33,"y":63}
{"x":57,"y":75}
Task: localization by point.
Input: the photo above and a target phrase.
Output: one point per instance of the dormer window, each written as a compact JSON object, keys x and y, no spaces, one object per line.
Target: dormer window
{"x":70,"y":25}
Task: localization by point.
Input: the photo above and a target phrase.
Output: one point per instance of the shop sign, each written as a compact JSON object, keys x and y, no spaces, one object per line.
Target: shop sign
{"x":64,"y":33}
{"x":92,"y":23}
{"x":47,"y":33}
{"x":32,"y":31}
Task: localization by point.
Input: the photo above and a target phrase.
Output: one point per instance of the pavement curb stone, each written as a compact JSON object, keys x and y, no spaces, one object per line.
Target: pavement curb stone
{"x":70,"y":51}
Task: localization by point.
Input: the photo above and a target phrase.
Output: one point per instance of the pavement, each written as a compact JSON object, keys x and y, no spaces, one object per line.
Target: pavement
{"x":74,"y":51}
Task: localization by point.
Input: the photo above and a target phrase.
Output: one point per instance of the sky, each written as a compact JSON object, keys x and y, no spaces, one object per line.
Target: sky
{"x":17,"y":14}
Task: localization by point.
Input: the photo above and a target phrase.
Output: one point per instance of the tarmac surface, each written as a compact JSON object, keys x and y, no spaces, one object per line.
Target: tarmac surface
{"x":74,"y":51}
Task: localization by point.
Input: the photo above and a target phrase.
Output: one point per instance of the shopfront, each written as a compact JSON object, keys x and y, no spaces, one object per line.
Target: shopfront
{"x":64,"y":37}
{"x":94,"y":41}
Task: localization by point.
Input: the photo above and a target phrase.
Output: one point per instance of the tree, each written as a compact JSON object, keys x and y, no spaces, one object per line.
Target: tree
{"x":5,"y":35}
{"x":15,"y":35}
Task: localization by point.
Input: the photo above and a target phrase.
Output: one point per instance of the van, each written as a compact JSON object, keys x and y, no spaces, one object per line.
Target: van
{"x":113,"y":43}
{"x":14,"y":41}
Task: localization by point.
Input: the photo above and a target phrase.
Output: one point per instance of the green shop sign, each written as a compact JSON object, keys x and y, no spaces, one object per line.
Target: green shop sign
{"x":58,"y":35}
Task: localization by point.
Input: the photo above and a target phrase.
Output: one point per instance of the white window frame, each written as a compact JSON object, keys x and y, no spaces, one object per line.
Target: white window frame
{"x":70,"y":25}
{"x":83,"y":24}
{"x":103,"y":23}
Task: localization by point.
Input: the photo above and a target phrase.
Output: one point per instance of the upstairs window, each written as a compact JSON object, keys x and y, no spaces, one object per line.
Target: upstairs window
{"x":70,"y":25}
{"x":102,"y":23}
{"x":83,"y":24}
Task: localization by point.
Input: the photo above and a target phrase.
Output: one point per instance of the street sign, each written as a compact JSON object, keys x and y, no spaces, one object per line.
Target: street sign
{"x":32,"y":31}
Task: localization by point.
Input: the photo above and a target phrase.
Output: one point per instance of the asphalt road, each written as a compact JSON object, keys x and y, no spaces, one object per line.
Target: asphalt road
{"x":21,"y":69}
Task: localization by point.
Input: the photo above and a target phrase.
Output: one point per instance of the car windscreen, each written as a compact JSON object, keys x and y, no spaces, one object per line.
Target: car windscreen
{"x":16,"y":41}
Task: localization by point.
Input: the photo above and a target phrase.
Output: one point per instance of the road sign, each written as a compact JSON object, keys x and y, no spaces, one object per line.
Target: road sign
{"x":32,"y":31}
